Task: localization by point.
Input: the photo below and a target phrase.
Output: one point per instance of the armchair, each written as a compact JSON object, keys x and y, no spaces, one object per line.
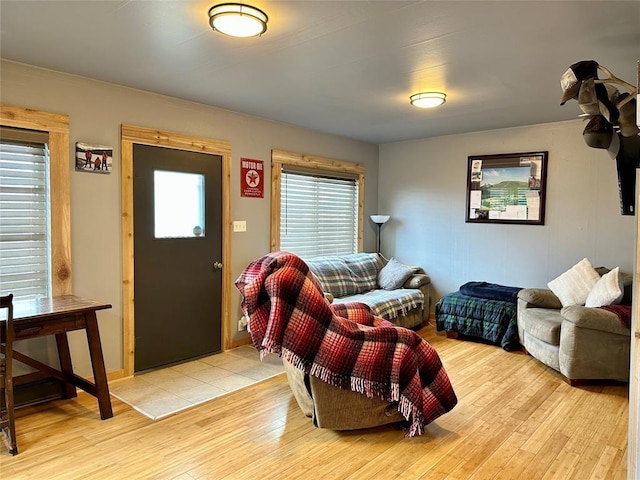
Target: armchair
{"x":582,"y":343}
{"x":354,"y":363}
{"x":336,"y":408}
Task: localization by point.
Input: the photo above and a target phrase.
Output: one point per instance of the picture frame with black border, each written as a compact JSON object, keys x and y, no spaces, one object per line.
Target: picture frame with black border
{"x":507,"y":188}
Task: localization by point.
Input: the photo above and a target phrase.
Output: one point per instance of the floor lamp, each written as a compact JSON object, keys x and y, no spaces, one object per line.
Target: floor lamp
{"x":379,"y":220}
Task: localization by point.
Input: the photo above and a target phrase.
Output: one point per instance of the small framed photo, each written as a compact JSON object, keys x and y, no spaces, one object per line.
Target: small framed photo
{"x":94,"y":158}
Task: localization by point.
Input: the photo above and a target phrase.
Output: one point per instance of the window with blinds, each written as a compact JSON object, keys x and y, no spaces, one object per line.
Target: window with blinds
{"x":24,"y":214}
{"x":318,"y":214}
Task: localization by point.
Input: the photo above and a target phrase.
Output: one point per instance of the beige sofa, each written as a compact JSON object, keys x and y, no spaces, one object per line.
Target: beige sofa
{"x":581,"y":343}
{"x":396,"y":292}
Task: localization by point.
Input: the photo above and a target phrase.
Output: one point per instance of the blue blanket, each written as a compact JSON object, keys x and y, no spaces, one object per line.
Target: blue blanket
{"x":490,"y":291}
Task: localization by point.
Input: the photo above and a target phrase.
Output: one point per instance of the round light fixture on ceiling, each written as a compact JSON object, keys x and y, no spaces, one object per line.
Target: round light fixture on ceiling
{"x":238,"y":20}
{"x":428,"y":99}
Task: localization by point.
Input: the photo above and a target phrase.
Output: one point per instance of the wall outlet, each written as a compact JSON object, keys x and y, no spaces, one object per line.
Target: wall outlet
{"x":242,"y":324}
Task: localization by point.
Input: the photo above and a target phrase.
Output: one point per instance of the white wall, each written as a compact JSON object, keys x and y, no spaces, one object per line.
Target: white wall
{"x":423,"y":187}
{"x":96,"y":111}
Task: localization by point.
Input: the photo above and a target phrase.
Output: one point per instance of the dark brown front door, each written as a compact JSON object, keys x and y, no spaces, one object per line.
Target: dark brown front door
{"x":177,"y":254}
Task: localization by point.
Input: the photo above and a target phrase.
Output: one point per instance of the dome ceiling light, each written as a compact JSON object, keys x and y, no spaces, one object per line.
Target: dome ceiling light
{"x":238,"y":20}
{"x":428,"y":99}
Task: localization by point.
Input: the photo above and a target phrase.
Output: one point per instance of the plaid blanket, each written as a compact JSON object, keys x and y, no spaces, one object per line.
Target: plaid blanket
{"x":623,"y":312}
{"x":354,"y":278}
{"x":343,"y":345}
{"x":388,"y":304}
{"x":492,"y":320}
{"x":343,"y":275}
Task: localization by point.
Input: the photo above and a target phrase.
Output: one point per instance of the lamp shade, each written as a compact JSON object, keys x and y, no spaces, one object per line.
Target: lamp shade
{"x":380,"y":219}
{"x":428,"y":99}
{"x":238,"y":20}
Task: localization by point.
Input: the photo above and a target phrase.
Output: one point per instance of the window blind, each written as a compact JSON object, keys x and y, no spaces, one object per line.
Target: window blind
{"x":318,"y":214}
{"x":24,"y":215}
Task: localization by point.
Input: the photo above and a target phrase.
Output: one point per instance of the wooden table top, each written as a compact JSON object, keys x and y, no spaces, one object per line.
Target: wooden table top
{"x":53,"y":306}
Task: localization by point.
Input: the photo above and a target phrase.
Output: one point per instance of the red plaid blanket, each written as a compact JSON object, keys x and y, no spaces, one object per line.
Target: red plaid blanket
{"x":343,"y":345}
{"x":623,"y":313}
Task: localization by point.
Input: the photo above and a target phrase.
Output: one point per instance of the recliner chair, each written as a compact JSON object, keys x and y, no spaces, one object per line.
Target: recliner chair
{"x":335,"y":408}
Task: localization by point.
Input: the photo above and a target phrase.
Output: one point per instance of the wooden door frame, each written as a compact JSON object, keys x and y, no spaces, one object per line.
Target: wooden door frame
{"x":633,"y":448}
{"x":147,"y":136}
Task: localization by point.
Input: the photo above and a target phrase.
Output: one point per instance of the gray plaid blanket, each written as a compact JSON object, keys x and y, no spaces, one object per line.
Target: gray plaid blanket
{"x":389,"y":304}
{"x":354,"y":278}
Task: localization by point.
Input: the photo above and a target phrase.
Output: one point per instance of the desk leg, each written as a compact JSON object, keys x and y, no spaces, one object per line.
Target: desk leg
{"x":65,"y":363}
{"x":97,"y":363}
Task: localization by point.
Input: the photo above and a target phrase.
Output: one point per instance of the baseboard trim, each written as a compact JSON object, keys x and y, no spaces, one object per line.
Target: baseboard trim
{"x":241,"y":343}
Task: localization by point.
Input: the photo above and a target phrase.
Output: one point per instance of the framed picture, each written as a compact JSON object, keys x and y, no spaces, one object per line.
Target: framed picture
{"x":94,"y":158}
{"x":507,"y":188}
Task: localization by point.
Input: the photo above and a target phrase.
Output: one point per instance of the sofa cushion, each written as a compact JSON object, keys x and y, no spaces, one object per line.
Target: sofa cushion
{"x":542,"y":323}
{"x":574,"y":285}
{"x":607,"y":291}
{"x":540,"y":297}
{"x":343,"y":275}
{"x":417,"y":280}
{"x":394,"y":274}
{"x":543,"y":351}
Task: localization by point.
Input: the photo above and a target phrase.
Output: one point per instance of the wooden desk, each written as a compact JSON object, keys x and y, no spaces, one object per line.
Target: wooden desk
{"x":57,"y":316}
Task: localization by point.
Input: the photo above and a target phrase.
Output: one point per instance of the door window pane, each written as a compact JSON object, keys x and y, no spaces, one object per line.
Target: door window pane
{"x":178,"y":204}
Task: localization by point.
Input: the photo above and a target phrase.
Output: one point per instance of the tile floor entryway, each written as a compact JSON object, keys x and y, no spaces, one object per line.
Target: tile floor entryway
{"x":166,"y":391}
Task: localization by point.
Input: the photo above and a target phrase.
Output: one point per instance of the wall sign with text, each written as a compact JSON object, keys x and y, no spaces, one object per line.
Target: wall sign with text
{"x":251,"y":178}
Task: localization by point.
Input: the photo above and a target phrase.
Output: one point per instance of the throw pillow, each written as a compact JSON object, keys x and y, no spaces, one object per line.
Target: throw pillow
{"x":574,"y":285}
{"x":607,"y":291}
{"x":394,"y":274}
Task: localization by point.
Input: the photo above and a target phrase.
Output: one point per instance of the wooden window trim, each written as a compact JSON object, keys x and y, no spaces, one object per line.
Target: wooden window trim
{"x":57,"y":126}
{"x":322,"y":164}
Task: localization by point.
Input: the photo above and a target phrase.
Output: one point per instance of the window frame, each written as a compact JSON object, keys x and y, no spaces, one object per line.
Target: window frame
{"x":57,"y":127}
{"x":322,"y":165}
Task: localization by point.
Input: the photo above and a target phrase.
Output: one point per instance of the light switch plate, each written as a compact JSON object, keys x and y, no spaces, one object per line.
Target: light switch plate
{"x":239,"y":226}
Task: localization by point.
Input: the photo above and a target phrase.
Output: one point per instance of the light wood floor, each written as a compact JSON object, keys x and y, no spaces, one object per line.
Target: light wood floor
{"x":516,"y":419}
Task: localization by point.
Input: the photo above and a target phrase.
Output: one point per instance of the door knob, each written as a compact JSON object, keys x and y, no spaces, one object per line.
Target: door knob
{"x":217,"y":265}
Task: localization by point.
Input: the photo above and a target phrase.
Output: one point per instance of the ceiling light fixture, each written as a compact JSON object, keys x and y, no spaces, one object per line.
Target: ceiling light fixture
{"x":238,"y":20}
{"x":428,"y":99}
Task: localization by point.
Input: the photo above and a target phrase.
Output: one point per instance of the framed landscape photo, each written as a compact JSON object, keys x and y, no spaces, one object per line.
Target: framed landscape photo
{"x":507,"y":188}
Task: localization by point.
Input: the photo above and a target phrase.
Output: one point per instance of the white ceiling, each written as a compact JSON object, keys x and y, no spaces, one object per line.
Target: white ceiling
{"x":342,"y":67}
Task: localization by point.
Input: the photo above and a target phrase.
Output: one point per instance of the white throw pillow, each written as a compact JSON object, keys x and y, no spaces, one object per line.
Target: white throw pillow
{"x":394,"y":274}
{"x":607,"y":291}
{"x":574,"y":285}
